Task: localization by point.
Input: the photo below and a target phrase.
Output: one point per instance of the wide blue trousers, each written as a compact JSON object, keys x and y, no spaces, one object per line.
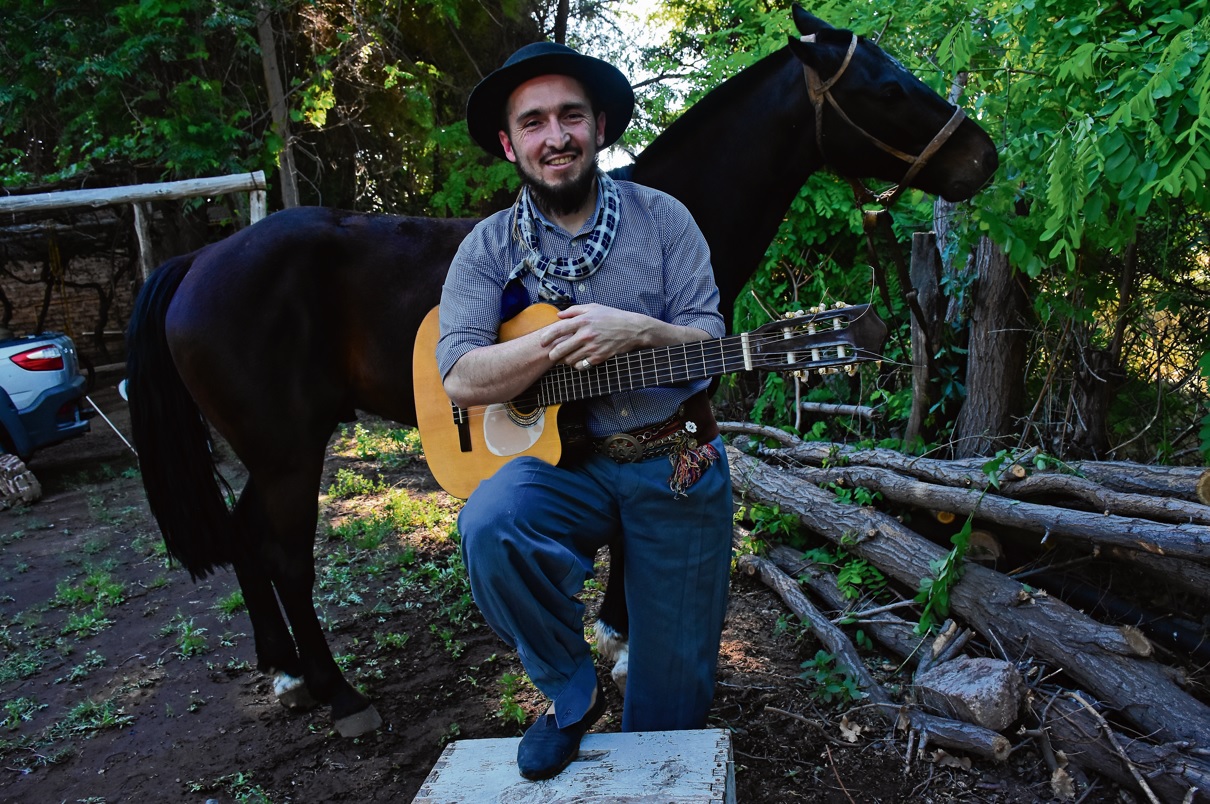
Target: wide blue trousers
{"x":529,"y":537}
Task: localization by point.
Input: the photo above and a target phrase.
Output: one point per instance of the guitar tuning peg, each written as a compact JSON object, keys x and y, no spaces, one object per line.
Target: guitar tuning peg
{"x":839,"y":305}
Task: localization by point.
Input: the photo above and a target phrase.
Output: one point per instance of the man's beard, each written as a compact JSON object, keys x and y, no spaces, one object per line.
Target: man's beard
{"x":564,"y":198}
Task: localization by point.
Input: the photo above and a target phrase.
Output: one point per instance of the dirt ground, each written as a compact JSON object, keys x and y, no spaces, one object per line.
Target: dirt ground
{"x":148,"y":692}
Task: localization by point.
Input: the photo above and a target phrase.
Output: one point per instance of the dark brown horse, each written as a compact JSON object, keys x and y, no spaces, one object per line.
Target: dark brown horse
{"x":282,"y":331}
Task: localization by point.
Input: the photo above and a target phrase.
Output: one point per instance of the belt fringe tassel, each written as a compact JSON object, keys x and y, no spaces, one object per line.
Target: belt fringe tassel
{"x":688,"y":466}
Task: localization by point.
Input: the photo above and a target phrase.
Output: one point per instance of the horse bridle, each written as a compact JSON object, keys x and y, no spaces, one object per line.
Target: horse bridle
{"x":819,"y":90}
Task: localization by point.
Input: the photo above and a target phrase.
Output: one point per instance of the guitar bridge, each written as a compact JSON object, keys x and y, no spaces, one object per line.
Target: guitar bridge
{"x":462,"y":420}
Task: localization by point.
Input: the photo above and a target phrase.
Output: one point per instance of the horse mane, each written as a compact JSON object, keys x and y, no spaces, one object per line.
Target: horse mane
{"x":716,"y":101}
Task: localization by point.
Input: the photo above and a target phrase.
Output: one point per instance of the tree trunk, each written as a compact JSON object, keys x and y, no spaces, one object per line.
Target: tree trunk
{"x":277,"y":105}
{"x":995,"y":360}
{"x":926,"y":335}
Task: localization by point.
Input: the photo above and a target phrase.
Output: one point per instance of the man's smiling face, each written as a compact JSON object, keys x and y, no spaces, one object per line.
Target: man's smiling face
{"x":554,"y":139}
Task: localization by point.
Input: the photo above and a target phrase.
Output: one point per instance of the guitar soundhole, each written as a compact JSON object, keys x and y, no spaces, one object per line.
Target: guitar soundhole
{"x":524,"y":417}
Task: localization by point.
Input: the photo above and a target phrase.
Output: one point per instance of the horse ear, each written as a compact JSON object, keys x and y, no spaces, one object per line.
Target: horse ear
{"x":808,"y":23}
{"x":806,"y":50}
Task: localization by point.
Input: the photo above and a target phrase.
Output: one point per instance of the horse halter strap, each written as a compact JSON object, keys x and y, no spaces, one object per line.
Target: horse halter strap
{"x":819,"y":90}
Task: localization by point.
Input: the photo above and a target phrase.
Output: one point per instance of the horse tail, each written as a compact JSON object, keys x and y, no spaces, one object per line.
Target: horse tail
{"x":186,"y":494}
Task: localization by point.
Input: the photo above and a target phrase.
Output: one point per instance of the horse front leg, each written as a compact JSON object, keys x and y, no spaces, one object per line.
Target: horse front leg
{"x":613,"y":621}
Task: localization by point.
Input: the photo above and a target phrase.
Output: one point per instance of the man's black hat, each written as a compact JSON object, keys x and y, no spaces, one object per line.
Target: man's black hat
{"x":609,"y":89}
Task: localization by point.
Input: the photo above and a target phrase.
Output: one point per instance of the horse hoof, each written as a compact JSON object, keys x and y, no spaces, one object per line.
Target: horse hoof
{"x":621,"y":669}
{"x":292,"y":693}
{"x":358,"y":723}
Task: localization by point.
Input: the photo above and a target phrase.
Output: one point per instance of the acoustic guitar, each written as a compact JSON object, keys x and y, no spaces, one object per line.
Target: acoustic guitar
{"x":467,"y":445}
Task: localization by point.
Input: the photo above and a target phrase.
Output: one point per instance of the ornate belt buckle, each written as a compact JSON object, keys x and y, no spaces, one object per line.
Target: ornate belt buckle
{"x":623,"y":448}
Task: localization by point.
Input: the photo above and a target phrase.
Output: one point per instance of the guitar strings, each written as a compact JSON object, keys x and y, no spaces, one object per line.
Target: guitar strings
{"x":599,"y":380}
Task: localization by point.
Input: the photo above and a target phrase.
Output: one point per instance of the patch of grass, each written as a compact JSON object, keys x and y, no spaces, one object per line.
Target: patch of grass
{"x":409,"y":513}
{"x":149,"y":544}
{"x":391,"y":447}
{"x":20,"y":710}
{"x":91,"y":716}
{"x":19,"y":664}
{"x":98,"y":589}
{"x":392,"y":640}
{"x":232,"y":604}
{"x":449,"y":641}
{"x":86,"y":623}
{"x":510,"y":711}
{"x":92,"y":661}
{"x":452,"y":732}
{"x":364,"y":533}
{"x":190,"y":638}
{"x":238,"y":786}
{"x":353,"y":484}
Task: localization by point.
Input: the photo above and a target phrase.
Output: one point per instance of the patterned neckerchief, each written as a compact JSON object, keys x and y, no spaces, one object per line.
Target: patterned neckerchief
{"x":591,"y":256}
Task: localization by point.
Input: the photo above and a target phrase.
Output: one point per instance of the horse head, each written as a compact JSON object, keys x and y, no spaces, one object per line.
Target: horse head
{"x":863,"y":97}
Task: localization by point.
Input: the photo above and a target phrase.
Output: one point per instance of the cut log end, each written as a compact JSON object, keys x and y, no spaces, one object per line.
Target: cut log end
{"x":1137,"y":640}
{"x":1203,"y":487}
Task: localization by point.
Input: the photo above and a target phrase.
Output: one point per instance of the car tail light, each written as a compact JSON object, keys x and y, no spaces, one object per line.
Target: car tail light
{"x":44,"y":358}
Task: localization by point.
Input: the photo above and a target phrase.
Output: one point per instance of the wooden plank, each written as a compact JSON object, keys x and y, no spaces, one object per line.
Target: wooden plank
{"x":108,"y":196}
{"x":673,"y":767}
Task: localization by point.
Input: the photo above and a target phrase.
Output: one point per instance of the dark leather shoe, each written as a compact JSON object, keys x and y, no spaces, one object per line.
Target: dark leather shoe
{"x":546,"y":749}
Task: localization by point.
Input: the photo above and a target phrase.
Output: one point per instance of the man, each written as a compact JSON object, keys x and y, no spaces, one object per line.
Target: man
{"x":630,"y":270}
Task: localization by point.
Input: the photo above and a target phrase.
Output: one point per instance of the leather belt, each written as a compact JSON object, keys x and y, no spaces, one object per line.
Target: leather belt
{"x":691,"y":425}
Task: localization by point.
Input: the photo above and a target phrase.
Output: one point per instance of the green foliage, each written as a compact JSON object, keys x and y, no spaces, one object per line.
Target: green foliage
{"x":97,"y":588}
{"x":86,"y":623}
{"x":831,"y":684}
{"x":510,"y":710}
{"x":352,"y":484}
{"x":769,"y":521}
{"x":852,"y":495}
{"x":176,"y":89}
{"x":92,"y":661}
{"x":390,"y":447}
{"x":190,"y":638}
{"x":239,"y":786}
{"x":231,"y":604}
{"x":934,"y":592}
{"x":19,"y":710}
{"x":855,"y":577}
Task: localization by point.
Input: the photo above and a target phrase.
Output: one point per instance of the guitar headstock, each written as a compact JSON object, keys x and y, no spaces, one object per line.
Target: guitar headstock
{"x":826,"y":340}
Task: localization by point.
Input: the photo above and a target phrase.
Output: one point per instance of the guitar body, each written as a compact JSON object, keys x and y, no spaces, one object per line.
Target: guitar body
{"x":464,"y":447}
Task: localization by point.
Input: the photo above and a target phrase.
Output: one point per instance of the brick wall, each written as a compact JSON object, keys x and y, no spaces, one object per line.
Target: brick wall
{"x":92,"y":303}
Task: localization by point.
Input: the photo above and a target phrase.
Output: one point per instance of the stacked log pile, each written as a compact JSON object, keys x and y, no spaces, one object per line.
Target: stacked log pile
{"x":1101,"y":695}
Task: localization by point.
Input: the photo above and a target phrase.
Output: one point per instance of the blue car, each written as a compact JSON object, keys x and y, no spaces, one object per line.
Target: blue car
{"x":40,"y":392}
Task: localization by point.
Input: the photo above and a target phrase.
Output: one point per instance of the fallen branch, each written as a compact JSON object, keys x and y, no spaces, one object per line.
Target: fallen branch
{"x":1097,"y":657}
{"x":893,"y":633}
{"x":1170,"y":494}
{"x":1180,"y":541}
{"x":831,"y":409}
{"x":1168,"y":771}
{"x":952,"y":734}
